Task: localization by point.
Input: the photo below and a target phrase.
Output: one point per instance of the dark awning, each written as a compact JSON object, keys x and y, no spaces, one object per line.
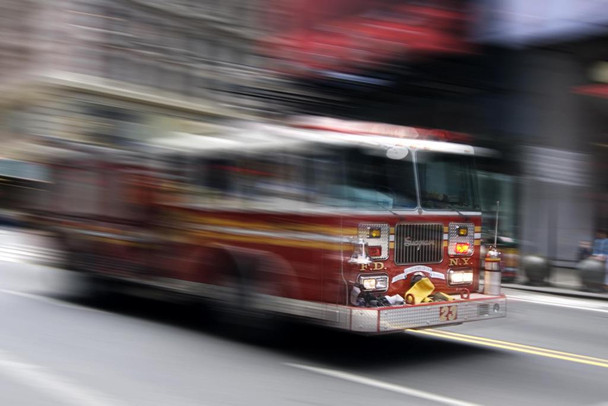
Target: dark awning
{"x":23,"y":170}
{"x":370,"y":40}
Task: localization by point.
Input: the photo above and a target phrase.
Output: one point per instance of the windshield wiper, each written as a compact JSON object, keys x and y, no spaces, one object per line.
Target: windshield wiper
{"x":451,"y":207}
{"x":389,"y":210}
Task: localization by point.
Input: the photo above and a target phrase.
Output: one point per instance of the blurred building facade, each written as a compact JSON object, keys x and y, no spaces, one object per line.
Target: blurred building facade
{"x":196,"y":49}
{"x":115,"y":69}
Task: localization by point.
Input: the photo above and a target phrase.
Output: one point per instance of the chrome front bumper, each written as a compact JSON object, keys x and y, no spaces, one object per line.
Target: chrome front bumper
{"x":378,"y":320}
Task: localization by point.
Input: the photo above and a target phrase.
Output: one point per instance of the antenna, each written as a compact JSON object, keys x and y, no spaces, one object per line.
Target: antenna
{"x":496,"y":226}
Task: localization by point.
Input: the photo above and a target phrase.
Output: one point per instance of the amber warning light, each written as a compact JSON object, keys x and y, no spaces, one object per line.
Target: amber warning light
{"x":374,"y":233}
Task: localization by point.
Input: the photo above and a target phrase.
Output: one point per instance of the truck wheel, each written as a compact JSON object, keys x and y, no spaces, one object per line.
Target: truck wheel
{"x":238,"y":314}
{"x":91,"y":288}
{"x":74,"y":261}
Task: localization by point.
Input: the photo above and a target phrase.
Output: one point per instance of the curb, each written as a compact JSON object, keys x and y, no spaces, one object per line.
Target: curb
{"x":557,"y":291}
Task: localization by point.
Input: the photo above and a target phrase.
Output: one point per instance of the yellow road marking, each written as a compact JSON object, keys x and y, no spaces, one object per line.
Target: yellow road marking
{"x":451,"y":333}
{"x":506,"y":345}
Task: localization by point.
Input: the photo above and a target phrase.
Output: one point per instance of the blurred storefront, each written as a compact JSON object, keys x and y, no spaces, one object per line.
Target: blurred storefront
{"x":594,"y":97}
{"x":552,"y":47}
{"x":17,"y":179}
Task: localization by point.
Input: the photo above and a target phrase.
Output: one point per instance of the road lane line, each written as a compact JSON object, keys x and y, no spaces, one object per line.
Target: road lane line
{"x":53,"y":385}
{"x":382,"y":385}
{"x":581,"y":359}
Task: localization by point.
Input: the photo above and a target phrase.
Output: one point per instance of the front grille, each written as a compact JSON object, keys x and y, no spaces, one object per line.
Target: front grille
{"x":417,"y":243}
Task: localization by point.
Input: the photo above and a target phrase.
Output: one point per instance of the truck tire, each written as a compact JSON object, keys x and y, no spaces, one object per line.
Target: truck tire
{"x":237,"y":314}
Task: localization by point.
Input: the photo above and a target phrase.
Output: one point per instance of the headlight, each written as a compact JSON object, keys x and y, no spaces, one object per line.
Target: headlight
{"x":460,"y":277}
{"x":375,"y":282}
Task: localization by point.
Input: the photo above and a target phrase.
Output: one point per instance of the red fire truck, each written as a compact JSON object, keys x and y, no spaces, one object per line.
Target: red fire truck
{"x":365,"y":227}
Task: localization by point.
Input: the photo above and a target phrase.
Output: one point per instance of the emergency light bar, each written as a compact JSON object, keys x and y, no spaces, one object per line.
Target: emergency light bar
{"x":372,"y":128}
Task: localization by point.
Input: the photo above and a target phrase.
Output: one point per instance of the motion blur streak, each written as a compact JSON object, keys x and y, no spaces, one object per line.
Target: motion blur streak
{"x":382,"y":385}
{"x":57,"y":387}
{"x":528,"y":349}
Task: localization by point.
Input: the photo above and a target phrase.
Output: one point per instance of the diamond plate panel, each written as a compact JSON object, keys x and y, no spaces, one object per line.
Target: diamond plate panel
{"x":364,"y":320}
{"x":381,"y":242}
{"x":429,"y":315}
{"x":453,"y":237}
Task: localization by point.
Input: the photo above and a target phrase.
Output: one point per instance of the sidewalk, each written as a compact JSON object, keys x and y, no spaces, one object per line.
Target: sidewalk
{"x":563,"y":281}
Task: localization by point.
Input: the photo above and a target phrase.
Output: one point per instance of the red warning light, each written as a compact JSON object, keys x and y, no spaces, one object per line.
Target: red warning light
{"x":462,"y":247}
{"x":374,"y":251}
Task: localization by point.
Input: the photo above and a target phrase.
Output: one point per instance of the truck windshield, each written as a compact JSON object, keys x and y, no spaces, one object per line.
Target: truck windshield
{"x":350,"y":178}
{"x":371,"y":181}
{"x":374,"y":182}
{"x":447,"y":181}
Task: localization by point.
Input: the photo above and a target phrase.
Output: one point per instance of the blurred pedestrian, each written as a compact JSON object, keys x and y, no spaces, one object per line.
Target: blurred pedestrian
{"x":600,"y":245}
{"x":584,"y":250}
{"x":600,"y":252}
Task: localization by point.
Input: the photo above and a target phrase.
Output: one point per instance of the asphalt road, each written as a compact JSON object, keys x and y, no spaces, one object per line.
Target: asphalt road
{"x":58,"y":347}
